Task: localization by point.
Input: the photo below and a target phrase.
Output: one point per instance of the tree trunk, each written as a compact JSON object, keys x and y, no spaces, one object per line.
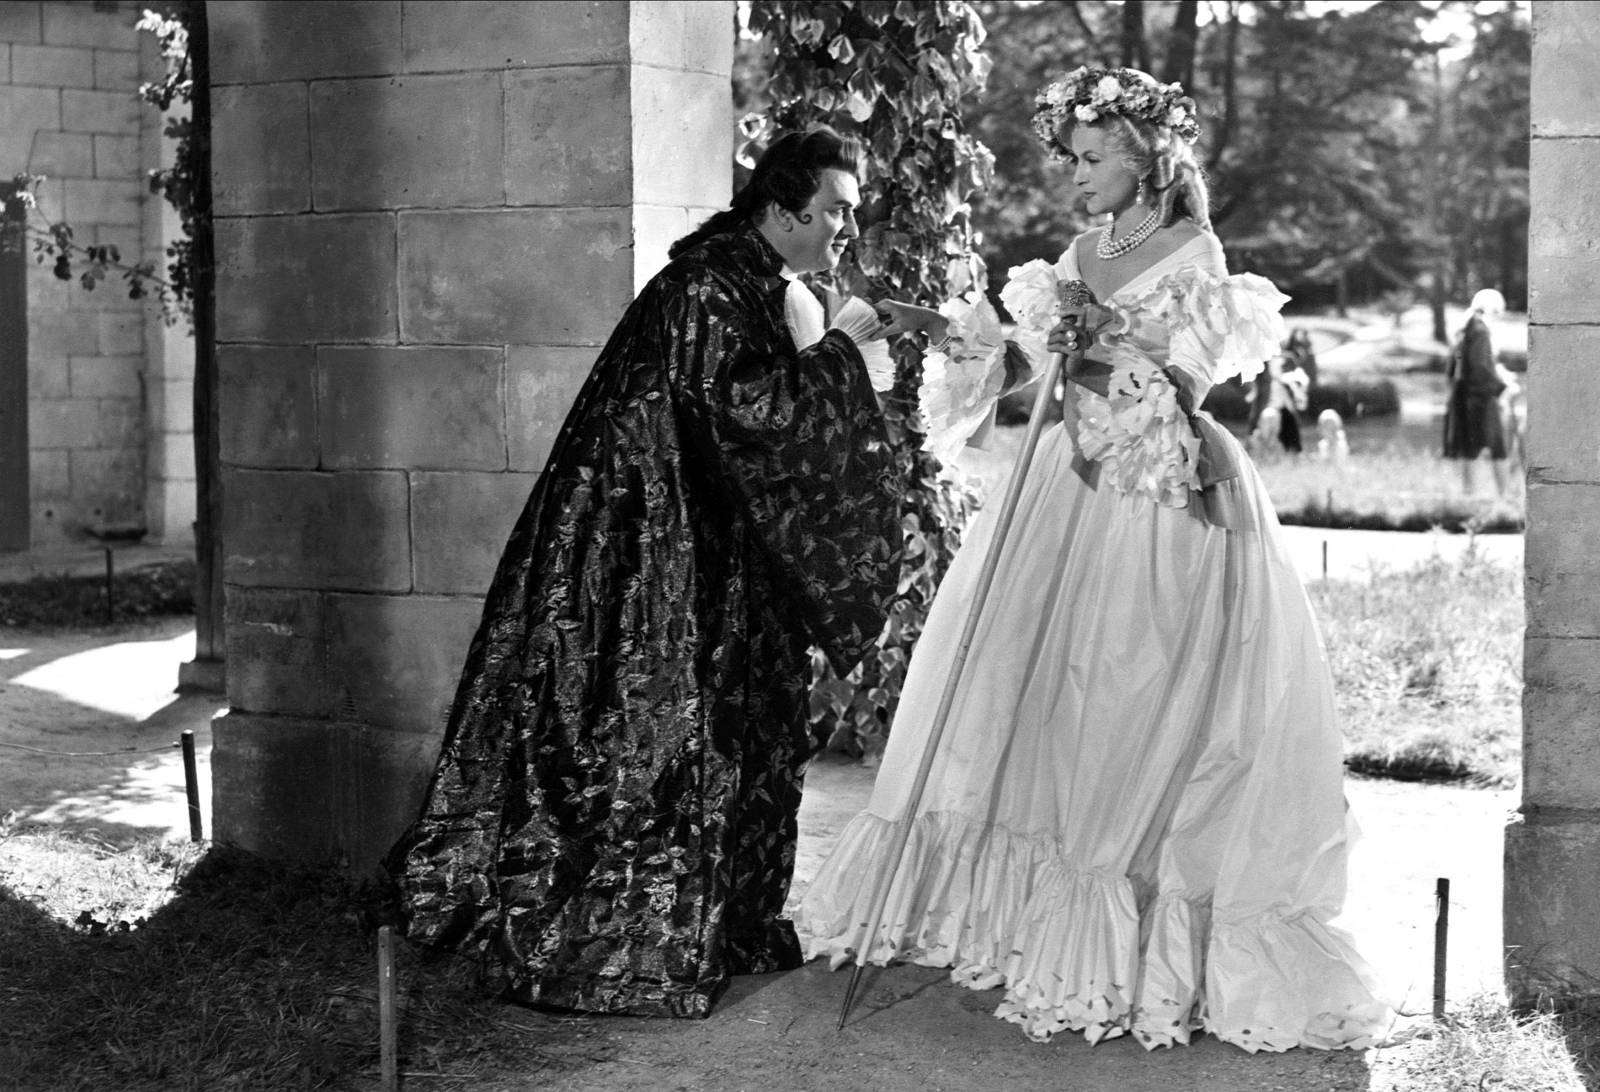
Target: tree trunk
{"x":1134,"y":51}
{"x":1180,"y":51}
{"x":210,"y":645}
{"x":1089,"y":35}
{"x":1436,"y":298}
{"x":1230,"y":95}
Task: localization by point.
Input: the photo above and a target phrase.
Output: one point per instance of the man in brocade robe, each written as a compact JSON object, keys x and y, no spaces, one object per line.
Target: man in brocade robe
{"x":611,"y":825}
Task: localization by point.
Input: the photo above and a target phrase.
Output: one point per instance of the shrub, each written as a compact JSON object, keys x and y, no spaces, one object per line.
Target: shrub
{"x":1354,"y":398}
{"x":150,"y":591}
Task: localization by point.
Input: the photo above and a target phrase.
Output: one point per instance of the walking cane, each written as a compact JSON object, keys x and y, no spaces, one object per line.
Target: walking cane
{"x":1072,"y":294}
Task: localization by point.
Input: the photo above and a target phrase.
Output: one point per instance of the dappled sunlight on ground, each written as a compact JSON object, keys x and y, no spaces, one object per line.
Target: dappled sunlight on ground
{"x":131,"y":678}
{"x":89,"y":731}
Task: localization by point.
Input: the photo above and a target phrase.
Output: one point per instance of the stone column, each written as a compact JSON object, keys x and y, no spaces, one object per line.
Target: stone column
{"x":429,"y":217}
{"x":1552,"y":900}
{"x":168,"y":349}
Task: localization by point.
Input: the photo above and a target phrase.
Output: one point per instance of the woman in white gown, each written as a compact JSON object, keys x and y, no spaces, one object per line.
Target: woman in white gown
{"x":1135,"y":820}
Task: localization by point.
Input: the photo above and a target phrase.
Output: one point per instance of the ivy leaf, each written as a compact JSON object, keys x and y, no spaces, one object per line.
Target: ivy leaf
{"x":841,"y":50}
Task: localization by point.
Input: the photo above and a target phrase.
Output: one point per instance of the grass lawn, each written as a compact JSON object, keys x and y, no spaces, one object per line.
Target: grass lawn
{"x":1396,"y":488}
{"x":1427,"y":667}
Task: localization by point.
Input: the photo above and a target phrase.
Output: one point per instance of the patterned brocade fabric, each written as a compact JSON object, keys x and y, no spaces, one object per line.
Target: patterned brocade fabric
{"x":611,"y":825}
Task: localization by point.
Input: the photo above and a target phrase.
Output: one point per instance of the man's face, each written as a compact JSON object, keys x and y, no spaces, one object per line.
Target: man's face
{"x":814,"y":239}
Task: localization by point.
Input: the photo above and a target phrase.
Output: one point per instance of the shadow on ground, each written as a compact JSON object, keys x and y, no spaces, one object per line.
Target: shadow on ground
{"x":263,"y":976}
{"x":104,"y":706}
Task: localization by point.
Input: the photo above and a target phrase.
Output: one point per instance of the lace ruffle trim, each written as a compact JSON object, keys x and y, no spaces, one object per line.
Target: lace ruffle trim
{"x":1000,"y":908}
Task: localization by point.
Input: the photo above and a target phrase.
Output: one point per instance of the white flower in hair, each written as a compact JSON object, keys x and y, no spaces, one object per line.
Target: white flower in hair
{"x":1085,"y":95}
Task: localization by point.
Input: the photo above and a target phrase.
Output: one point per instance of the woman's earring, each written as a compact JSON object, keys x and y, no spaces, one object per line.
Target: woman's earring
{"x":1139,"y":196}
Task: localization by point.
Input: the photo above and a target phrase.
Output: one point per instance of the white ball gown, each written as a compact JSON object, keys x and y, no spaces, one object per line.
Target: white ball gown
{"x":1135,"y":821}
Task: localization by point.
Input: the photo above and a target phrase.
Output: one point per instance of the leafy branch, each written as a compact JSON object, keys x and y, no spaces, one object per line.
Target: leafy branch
{"x":90,"y":265}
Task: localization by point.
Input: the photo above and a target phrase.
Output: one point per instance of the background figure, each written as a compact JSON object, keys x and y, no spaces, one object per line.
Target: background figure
{"x":1266,"y":438}
{"x":1299,"y":355}
{"x":1279,"y":396}
{"x":1332,"y":445}
{"x":612,"y":823}
{"x":1514,"y":417}
{"x":1472,"y":413}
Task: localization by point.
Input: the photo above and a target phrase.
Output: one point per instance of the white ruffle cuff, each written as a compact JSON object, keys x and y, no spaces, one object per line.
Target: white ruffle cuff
{"x":963,"y":379}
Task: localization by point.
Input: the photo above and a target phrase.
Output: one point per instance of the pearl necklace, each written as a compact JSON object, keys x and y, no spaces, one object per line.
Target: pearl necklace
{"x":1107,"y":250}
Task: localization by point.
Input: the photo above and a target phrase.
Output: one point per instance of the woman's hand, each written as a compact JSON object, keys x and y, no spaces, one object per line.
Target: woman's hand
{"x":907,"y":318}
{"x":1070,"y":338}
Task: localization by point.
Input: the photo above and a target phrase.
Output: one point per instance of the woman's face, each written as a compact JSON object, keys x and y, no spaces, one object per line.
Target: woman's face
{"x":1098,"y":174}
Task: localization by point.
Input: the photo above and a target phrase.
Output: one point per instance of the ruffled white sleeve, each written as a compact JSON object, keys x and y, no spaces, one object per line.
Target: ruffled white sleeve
{"x":1222,"y":326}
{"x":963,"y":379}
{"x":860,"y":323}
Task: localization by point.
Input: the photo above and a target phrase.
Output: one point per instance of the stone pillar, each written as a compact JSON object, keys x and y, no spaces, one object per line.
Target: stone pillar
{"x":429,"y":217}
{"x":1552,"y":899}
{"x":168,"y":349}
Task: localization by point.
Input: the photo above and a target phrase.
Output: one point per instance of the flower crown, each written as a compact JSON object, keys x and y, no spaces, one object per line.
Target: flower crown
{"x":1085,"y":95}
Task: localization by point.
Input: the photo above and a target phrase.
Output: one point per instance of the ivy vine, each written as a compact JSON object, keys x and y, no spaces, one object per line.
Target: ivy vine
{"x":893,"y":74}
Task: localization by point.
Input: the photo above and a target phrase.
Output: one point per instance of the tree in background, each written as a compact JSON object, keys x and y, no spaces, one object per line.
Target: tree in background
{"x":1479,"y":181}
{"x":894,"y":75}
{"x":1347,"y":160}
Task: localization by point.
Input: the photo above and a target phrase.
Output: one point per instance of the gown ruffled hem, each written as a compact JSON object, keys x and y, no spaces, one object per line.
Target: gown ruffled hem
{"x":1080,"y":950}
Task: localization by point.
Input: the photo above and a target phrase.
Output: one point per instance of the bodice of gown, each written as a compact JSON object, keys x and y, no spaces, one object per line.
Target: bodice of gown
{"x":1152,"y":313}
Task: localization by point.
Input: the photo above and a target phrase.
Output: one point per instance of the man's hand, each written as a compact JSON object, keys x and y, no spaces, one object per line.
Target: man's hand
{"x":907,"y":318}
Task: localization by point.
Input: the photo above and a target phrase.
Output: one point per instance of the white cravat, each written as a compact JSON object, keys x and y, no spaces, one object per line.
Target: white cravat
{"x":808,"y":321}
{"x":803,"y":312}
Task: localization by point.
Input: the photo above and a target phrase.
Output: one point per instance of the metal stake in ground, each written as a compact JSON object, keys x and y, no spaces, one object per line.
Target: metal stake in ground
{"x":1441,"y":938}
{"x":191,"y":786}
{"x":1073,"y":294}
{"x":388,"y":1070}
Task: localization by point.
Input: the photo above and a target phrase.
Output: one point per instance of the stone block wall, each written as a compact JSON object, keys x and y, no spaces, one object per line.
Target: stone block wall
{"x":429,"y":217}
{"x":1552,"y":898}
{"x":69,"y":111}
